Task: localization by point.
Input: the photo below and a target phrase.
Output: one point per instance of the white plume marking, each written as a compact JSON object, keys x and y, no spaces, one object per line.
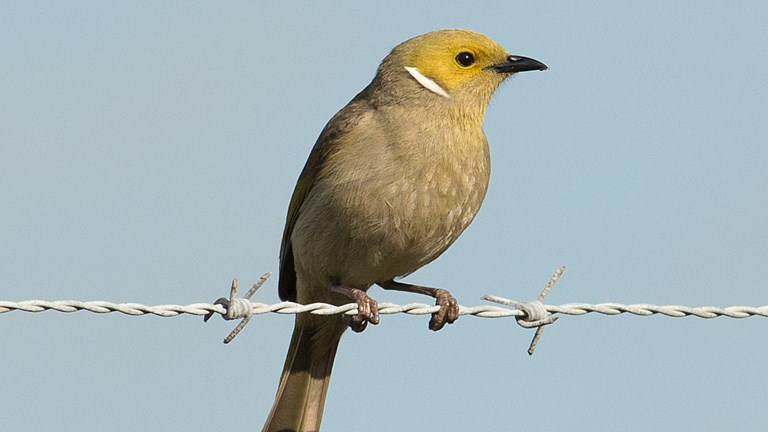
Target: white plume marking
{"x":426,"y":82}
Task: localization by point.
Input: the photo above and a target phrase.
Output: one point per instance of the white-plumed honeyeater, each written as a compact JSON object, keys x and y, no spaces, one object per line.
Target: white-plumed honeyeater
{"x":391,"y":183}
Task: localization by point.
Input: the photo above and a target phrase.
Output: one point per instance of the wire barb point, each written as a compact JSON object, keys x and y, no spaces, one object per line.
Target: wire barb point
{"x":534,"y":313}
{"x":237,"y":308}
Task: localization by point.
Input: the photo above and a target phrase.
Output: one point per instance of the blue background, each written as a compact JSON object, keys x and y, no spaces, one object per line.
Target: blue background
{"x":148,"y":151}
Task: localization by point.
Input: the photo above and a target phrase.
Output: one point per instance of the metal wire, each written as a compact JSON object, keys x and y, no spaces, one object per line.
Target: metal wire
{"x":528,"y":315}
{"x":290,"y":308}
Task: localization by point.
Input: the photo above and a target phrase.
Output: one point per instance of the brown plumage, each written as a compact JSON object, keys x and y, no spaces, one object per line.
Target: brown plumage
{"x":393,"y":180}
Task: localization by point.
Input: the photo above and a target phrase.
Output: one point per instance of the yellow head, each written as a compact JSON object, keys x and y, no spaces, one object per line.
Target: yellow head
{"x":449,"y":64}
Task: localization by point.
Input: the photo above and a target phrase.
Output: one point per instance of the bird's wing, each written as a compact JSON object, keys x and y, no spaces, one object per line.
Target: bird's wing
{"x":343,"y":123}
{"x":287,"y":281}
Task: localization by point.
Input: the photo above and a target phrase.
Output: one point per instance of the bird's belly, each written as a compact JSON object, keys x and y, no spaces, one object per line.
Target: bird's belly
{"x":409,"y":223}
{"x":424,"y":219}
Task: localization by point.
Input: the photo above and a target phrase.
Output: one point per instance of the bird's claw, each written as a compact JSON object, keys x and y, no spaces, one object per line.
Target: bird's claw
{"x":367,"y":309}
{"x":449,"y":310}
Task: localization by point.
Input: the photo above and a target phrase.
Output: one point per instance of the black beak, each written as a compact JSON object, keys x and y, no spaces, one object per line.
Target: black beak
{"x":517,"y":63}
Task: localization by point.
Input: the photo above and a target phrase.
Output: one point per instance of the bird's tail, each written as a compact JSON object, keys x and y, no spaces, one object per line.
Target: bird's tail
{"x":307,"y":372}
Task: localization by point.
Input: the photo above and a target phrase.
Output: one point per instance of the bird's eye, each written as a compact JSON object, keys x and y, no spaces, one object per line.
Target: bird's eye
{"x":465,"y":59}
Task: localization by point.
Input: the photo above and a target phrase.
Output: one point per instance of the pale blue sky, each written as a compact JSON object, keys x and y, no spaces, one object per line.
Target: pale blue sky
{"x":148,"y":151}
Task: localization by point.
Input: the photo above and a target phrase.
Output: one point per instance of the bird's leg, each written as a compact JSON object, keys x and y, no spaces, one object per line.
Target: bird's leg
{"x":367,"y":308}
{"x":449,"y":308}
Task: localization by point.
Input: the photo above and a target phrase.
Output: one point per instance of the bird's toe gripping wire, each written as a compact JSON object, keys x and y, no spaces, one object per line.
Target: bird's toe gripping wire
{"x":534,"y":314}
{"x":367,"y":308}
{"x":238,"y":308}
{"x":449,"y":310}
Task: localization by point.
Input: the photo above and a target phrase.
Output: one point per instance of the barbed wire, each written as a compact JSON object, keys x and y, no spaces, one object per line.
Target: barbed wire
{"x":290,"y":308}
{"x":533,"y":314}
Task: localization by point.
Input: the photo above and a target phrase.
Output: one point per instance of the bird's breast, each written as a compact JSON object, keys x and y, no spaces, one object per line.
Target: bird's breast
{"x":429,"y":209}
{"x":385,"y":211}
{"x":425,"y":202}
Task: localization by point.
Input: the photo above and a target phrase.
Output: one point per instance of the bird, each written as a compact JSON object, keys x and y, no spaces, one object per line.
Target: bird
{"x":392,"y":181}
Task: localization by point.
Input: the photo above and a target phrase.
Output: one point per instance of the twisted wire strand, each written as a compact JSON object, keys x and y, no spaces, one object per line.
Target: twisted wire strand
{"x":289,"y":308}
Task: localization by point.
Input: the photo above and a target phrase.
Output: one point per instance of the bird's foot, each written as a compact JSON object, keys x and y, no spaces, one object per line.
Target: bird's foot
{"x":449,"y":310}
{"x":449,"y":307}
{"x":367,"y":308}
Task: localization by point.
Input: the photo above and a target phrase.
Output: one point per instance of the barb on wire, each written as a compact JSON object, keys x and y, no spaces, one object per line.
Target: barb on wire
{"x":535,"y":314}
{"x":238,"y":307}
